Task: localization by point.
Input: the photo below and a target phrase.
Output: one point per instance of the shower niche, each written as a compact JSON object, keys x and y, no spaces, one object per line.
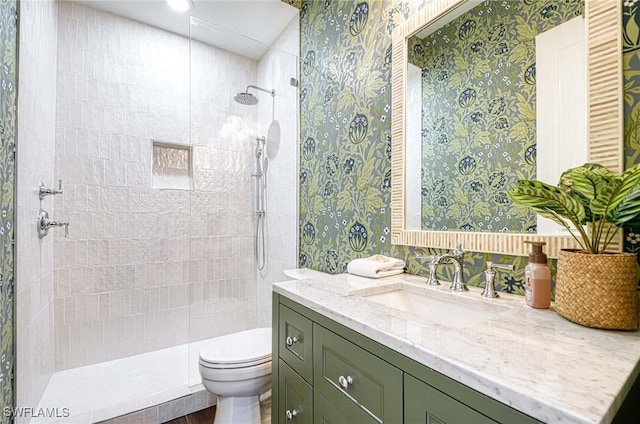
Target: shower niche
{"x":172,"y":166}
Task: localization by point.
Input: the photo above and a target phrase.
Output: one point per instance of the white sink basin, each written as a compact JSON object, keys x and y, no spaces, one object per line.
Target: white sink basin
{"x":434,"y":305}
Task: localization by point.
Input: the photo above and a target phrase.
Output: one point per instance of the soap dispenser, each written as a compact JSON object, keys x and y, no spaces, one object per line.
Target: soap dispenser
{"x":537,"y":277}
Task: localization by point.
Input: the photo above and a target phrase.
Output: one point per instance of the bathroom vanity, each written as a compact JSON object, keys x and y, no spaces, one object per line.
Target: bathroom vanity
{"x":348,"y":349}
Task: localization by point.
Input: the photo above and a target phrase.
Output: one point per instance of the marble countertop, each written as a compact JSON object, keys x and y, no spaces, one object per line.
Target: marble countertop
{"x":532,"y":360}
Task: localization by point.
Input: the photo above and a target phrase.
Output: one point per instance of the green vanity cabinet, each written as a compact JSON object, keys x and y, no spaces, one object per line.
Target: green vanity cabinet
{"x":349,"y":376}
{"x":294,"y":342}
{"x":325,"y":412}
{"x":344,"y":377}
{"x":296,"y":397}
{"x":425,"y":405}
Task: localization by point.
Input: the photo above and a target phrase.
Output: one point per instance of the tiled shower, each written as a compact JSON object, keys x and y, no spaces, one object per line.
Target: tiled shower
{"x":145,"y":267}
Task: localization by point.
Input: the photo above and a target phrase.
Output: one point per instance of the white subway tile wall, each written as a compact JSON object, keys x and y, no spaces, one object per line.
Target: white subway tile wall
{"x":35,"y":154}
{"x":143,"y":268}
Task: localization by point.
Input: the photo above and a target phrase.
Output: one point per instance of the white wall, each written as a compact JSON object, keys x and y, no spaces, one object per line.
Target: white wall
{"x":35,"y":150}
{"x":274,"y":70}
{"x":144,"y":268}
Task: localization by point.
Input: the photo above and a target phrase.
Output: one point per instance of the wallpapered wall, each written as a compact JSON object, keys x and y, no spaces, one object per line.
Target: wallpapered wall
{"x":479,"y":113}
{"x":345,"y":105}
{"x":8,"y":50}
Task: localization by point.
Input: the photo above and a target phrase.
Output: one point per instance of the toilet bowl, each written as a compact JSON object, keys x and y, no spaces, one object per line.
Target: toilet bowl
{"x":237,"y":368}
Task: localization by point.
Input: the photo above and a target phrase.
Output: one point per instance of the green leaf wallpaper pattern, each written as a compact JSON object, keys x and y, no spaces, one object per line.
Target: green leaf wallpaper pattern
{"x":479,"y":113}
{"x":8,"y":47}
{"x":345,"y":102}
{"x":631,"y":73}
{"x":344,"y":75}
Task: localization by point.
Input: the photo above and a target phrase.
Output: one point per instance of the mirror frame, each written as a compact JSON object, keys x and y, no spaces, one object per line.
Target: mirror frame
{"x":605,"y":128}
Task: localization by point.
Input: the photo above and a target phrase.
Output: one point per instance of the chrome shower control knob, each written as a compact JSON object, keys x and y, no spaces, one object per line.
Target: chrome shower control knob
{"x":290,"y":414}
{"x":291,"y":340}
{"x":345,"y":381}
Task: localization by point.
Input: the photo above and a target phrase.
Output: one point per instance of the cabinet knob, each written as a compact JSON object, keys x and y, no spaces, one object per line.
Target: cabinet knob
{"x":290,"y":414}
{"x":291,"y":340}
{"x":345,"y":381}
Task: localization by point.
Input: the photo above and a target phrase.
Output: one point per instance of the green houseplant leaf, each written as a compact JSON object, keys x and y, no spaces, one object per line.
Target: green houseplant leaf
{"x":586,"y":195}
{"x":551,"y":202}
{"x":586,"y":183}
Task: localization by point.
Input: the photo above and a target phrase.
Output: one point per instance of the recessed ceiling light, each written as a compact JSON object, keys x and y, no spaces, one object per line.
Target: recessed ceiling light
{"x":180,"y":5}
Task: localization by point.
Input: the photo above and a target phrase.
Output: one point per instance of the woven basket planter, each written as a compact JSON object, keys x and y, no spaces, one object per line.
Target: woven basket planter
{"x":598,"y":291}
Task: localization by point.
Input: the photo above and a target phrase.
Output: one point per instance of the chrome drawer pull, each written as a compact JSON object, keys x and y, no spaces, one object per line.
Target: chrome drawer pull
{"x":291,"y":340}
{"x":344,"y":382}
{"x":290,"y":414}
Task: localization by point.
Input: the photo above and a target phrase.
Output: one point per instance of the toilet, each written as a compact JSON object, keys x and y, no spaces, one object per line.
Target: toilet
{"x":237,"y":368}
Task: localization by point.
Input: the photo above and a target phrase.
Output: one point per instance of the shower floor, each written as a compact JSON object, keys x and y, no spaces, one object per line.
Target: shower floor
{"x":106,"y":390}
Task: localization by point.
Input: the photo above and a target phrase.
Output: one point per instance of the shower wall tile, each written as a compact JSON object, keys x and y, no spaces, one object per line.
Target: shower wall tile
{"x":35,"y":155}
{"x":126,"y":279}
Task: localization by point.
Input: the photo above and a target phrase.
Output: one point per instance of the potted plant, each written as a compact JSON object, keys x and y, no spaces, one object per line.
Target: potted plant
{"x":594,"y":287}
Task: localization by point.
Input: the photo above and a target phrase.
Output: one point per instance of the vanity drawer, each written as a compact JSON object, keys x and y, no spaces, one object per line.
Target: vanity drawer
{"x":296,"y":342}
{"x":347,"y":375}
{"x":296,"y":397}
{"x":325,"y":412}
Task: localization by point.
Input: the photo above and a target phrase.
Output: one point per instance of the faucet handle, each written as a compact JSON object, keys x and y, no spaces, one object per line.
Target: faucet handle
{"x":433,"y":267}
{"x":491,"y":266}
{"x":45,"y":191}
{"x":457,"y":250}
{"x":490,"y":275}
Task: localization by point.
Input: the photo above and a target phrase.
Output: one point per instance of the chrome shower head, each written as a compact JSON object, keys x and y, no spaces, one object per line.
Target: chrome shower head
{"x":246,"y":99}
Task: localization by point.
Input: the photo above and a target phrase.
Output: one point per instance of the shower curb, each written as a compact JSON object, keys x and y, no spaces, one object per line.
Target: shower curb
{"x":167,"y":411}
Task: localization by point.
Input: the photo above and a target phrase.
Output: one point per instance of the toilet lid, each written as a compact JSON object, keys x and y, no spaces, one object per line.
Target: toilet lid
{"x":246,"y":347}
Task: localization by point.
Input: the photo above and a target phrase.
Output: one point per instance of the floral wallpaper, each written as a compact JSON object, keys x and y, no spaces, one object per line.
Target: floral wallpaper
{"x":345,"y":164}
{"x":8,"y":53}
{"x":631,"y":72}
{"x":345,"y":98}
{"x":479,"y":113}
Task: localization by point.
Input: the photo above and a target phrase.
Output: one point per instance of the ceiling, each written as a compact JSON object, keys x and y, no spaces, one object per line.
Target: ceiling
{"x":251,"y":25}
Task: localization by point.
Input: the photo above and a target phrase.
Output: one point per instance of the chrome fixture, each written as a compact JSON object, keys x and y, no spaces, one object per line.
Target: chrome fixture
{"x":290,"y":341}
{"x":259,"y":240}
{"x":433,"y":267}
{"x":44,"y":223}
{"x":344,"y":382}
{"x":490,"y":274}
{"x":290,"y":414}
{"x":45,"y":191}
{"x":457,"y":258}
{"x":248,"y":99}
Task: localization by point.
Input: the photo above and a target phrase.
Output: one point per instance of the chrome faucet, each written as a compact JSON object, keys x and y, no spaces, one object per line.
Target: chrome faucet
{"x":490,"y":274}
{"x":45,"y":191}
{"x":44,"y":224}
{"x":457,"y":258}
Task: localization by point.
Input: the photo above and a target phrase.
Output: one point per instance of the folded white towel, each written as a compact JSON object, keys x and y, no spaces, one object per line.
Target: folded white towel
{"x":376,"y":266}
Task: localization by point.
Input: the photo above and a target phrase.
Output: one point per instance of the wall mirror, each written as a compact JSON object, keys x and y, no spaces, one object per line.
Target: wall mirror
{"x":486,"y":93}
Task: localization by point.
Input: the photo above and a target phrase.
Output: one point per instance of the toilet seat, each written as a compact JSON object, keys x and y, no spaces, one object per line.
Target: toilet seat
{"x":238,"y":350}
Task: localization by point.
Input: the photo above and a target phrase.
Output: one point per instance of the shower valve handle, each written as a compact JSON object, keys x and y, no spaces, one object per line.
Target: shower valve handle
{"x":46,"y":191}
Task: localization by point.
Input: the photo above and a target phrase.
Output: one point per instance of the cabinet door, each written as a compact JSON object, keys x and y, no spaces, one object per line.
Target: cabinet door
{"x":324,"y":412}
{"x":296,"y":342}
{"x":295,"y":395}
{"x":349,"y":376}
{"x":425,"y":405}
